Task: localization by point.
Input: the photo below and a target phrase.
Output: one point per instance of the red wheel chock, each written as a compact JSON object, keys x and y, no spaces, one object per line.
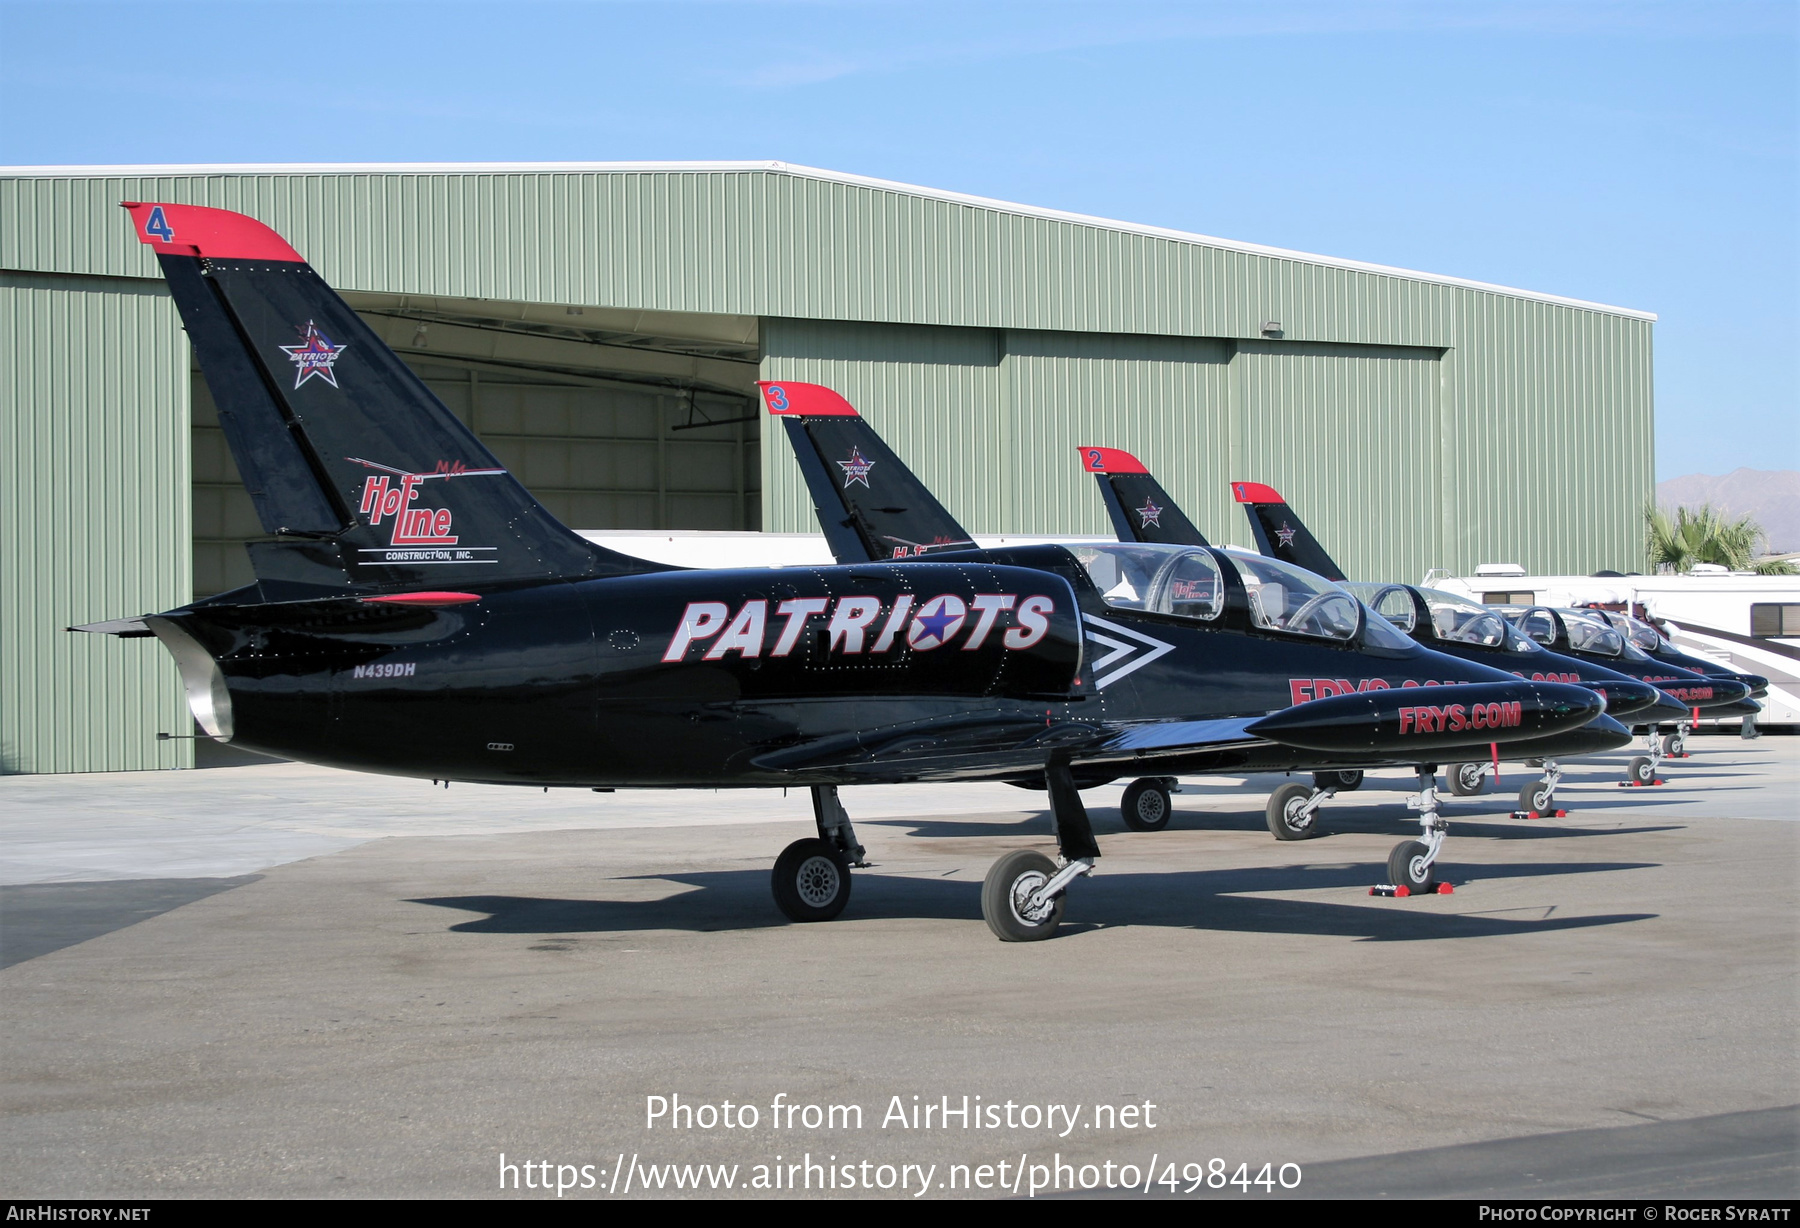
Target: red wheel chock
{"x":1633,"y":784}
{"x":1536,"y":814}
{"x":1402,"y":891}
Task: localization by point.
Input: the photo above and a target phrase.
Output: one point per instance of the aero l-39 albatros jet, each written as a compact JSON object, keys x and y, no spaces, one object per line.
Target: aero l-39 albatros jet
{"x":1581,"y":635}
{"x":420,"y":614}
{"x":1141,"y":510}
{"x":1179,"y":633}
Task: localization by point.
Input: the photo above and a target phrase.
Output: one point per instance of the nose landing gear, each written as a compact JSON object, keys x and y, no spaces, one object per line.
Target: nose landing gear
{"x":1022,"y":897}
{"x":1410,"y":865}
{"x":1538,"y":798}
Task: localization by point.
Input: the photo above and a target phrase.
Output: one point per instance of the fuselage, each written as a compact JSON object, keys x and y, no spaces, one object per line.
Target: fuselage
{"x":718,"y":678}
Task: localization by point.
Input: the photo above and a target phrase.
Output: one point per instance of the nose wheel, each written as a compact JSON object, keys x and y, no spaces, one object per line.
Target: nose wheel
{"x":1022,"y":896}
{"x":1410,"y":865}
{"x":1467,"y":779}
{"x":1293,"y":811}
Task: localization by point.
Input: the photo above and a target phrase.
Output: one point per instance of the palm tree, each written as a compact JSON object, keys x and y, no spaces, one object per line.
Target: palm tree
{"x":1705,"y":535}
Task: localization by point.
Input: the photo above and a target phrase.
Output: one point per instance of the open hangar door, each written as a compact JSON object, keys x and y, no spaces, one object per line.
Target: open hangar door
{"x":614,"y":419}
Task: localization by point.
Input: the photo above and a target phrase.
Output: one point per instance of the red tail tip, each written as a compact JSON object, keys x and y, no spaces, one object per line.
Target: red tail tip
{"x":196,"y":230}
{"x":1255,"y":492}
{"x":1109,"y":460}
{"x":789,"y":399}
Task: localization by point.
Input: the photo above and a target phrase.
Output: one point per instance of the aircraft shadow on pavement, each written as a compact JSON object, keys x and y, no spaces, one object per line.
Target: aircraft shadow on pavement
{"x":1198,"y":900}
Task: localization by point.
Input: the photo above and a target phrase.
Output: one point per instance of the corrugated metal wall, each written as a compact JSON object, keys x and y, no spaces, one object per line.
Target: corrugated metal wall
{"x":760,"y":243}
{"x":1351,"y":435}
{"x":94,"y":517}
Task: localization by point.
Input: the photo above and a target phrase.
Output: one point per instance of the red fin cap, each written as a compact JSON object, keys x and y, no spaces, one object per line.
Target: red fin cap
{"x":788,"y":399}
{"x":196,"y":230}
{"x":1255,"y":492}
{"x":1109,"y":460}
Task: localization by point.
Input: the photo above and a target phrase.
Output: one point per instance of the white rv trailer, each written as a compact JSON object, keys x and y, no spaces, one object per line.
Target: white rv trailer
{"x":1739,"y":619}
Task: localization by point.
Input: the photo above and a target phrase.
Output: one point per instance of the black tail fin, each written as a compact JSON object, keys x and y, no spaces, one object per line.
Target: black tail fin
{"x":1279,"y":533}
{"x":869,"y":503}
{"x":1141,"y":509}
{"x":337,"y":440}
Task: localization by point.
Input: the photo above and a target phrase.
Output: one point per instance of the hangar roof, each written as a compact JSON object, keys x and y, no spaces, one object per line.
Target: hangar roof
{"x":1045,"y":268}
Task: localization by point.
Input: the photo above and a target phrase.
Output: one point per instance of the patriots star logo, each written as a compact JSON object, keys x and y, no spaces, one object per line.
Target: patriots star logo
{"x":1285,"y":534}
{"x":937,"y":621}
{"x":1150,"y":514}
{"x":314,"y":356}
{"x":856,"y":469}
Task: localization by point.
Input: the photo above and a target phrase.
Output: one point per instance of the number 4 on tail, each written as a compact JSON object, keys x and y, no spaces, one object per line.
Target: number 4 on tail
{"x":157,"y":226}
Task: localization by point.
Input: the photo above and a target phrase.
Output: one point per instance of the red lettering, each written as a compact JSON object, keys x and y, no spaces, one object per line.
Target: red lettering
{"x":1406,"y":719}
{"x":1299,"y":690}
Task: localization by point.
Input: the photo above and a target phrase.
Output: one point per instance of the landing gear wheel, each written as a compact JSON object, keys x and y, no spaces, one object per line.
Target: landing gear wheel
{"x":1005,"y":896}
{"x":1146,"y":805}
{"x":1407,"y":867}
{"x":1288,"y":818}
{"x":1535,"y":797}
{"x":1640,"y":771}
{"x":811,"y":881}
{"x":1467,"y":779}
{"x":1343,"y":781}
{"x":1674,"y":744}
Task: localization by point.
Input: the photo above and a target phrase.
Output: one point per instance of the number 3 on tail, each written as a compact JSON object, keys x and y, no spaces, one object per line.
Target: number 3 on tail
{"x":157,"y":227}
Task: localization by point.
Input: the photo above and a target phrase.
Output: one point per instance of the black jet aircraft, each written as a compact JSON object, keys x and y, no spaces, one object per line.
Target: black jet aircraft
{"x":1176,"y":633}
{"x":1582,"y":635}
{"x":1141,"y":510}
{"x":418,"y":613}
{"x":1648,"y":639}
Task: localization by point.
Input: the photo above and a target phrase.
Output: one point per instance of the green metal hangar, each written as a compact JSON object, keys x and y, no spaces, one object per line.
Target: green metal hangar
{"x":591,"y":320}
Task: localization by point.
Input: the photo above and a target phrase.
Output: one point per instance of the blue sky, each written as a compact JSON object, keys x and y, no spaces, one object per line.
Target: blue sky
{"x":1640,"y":154}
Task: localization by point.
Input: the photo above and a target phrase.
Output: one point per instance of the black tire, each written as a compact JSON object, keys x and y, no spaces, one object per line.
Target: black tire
{"x":1344,"y":781}
{"x":811,"y":881}
{"x":1467,"y":779}
{"x":1146,"y":805}
{"x":1009,"y":882}
{"x":1284,"y":821}
{"x":1674,"y":744}
{"x":1405,"y":869}
{"x":1640,"y":770}
{"x":1535,"y":797}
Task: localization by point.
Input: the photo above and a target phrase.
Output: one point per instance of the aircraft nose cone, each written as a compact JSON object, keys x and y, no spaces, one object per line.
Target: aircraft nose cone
{"x":1626,"y":696}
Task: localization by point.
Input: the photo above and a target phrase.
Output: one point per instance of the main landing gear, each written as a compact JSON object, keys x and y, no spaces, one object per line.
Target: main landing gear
{"x":1146,"y":805}
{"x":1410,"y":865}
{"x":1293,"y":809}
{"x":811,"y":881}
{"x":1022,"y":896}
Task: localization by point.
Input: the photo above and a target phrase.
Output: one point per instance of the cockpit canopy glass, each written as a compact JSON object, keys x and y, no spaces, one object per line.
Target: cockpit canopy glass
{"x":1640,"y":634}
{"x":1287,"y":598}
{"x":1538,"y":624}
{"x":1174,"y":580}
{"x":1458,"y":619}
{"x":1588,"y":632}
{"x":1392,"y":601}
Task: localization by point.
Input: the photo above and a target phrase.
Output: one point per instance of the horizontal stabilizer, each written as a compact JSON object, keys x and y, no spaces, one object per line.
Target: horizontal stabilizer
{"x":124,"y":628}
{"x":1140,"y":509}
